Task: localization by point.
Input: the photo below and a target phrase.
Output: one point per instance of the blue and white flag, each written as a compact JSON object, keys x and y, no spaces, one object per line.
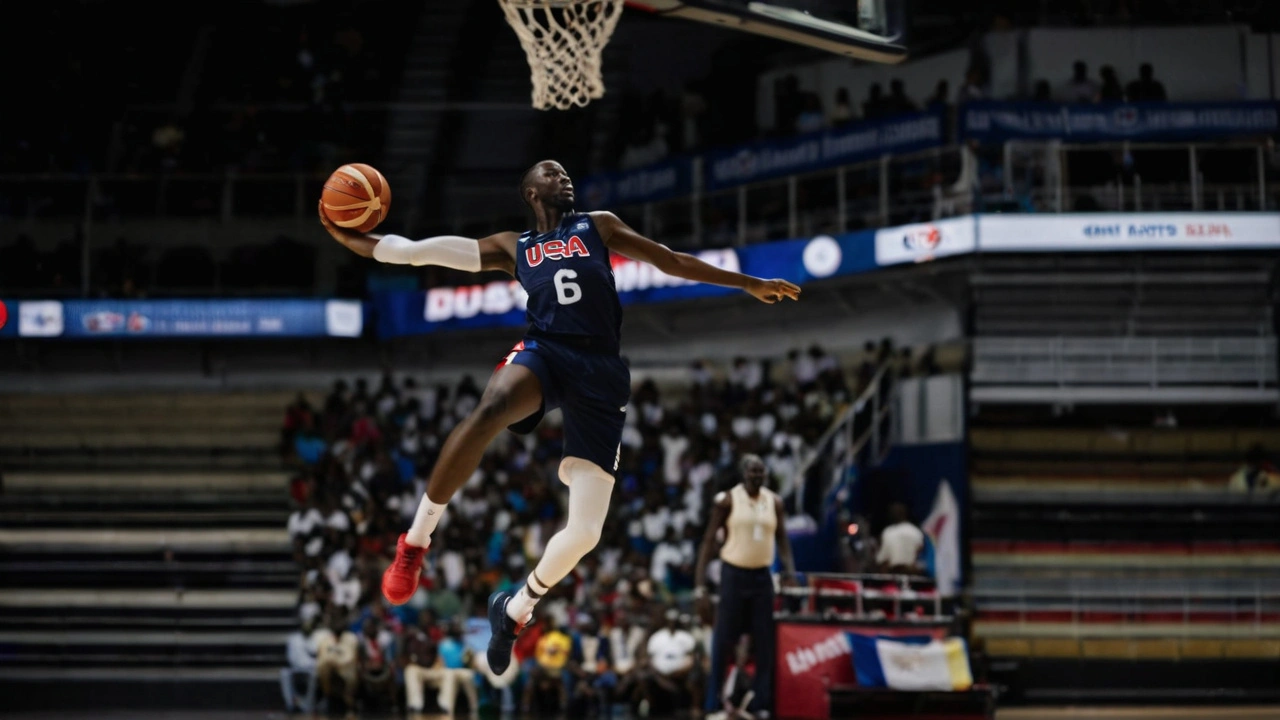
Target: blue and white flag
{"x":911,"y":663}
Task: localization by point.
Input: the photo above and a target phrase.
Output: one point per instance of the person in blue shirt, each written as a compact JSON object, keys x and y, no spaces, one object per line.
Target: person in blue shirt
{"x":457,"y":660}
{"x":590,"y":670}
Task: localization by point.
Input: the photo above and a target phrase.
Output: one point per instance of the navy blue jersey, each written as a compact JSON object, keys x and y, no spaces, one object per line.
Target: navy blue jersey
{"x":569,"y":279}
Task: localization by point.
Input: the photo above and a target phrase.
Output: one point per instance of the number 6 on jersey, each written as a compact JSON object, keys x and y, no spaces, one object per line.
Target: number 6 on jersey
{"x":567,"y":292}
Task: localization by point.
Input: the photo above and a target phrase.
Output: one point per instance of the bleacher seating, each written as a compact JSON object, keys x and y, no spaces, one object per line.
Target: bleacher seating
{"x":163,"y":565}
{"x":1123,"y":544}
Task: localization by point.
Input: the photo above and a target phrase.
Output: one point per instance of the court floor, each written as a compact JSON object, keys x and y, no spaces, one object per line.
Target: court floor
{"x":1047,"y":713}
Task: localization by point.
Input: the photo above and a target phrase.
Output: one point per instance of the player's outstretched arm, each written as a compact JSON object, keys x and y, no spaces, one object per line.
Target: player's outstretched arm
{"x":623,"y":240}
{"x":495,"y":252}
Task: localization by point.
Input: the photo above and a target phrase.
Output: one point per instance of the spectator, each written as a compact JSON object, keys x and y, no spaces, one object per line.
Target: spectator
{"x":590,"y":670}
{"x":457,"y":663}
{"x":1080,"y":89}
{"x":308,"y":444}
{"x":1043,"y":92}
{"x":306,"y":529}
{"x":787,"y":104}
{"x":626,"y":640}
{"x":804,"y":370}
{"x":940,"y":100}
{"x":693,"y":108}
{"x":901,"y":543}
{"x":545,"y":690}
{"x":1256,"y":474}
{"x":668,"y":557}
{"x":841,"y":109}
{"x":811,"y":118}
{"x":1146,"y":88}
{"x":336,"y":658}
{"x":377,"y":679}
{"x":1111,"y":91}
{"x":874,"y":106}
{"x":898,"y":102}
{"x":301,"y":652}
{"x":423,"y":667}
{"x":971,"y":89}
{"x":672,"y":669}
{"x":347,"y":590}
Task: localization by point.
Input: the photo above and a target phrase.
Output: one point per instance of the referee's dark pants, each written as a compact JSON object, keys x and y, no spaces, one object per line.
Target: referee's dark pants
{"x":745,"y":607}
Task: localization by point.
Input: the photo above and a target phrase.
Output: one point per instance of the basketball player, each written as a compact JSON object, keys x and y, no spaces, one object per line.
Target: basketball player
{"x":568,"y":359}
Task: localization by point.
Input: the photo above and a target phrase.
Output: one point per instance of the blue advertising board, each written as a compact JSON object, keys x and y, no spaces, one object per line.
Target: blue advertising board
{"x":90,"y":319}
{"x":660,"y":181}
{"x":502,"y":303}
{"x":995,"y":121}
{"x":848,"y":144}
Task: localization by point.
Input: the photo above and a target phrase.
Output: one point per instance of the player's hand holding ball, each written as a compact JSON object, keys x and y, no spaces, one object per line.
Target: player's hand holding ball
{"x":355,"y":200}
{"x":772,"y":291}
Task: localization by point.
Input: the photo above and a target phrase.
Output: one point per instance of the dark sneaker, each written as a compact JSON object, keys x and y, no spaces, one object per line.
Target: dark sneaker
{"x":504,"y":632}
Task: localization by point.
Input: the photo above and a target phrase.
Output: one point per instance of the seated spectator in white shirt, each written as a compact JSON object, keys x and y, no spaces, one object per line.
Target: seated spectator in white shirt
{"x":672,"y":667}
{"x":666,"y":558}
{"x":301,"y":652}
{"x":346,"y":592}
{"x":901,"y":543}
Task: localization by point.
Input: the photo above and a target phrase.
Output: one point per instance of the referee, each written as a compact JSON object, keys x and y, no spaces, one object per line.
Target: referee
{"x":754,"y":531}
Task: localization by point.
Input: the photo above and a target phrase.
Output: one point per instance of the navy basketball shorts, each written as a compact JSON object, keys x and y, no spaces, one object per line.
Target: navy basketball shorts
{"x":591,"y":389}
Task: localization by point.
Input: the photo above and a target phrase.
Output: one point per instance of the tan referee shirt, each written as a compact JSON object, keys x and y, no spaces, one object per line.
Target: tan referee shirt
{"x":751,"y":526}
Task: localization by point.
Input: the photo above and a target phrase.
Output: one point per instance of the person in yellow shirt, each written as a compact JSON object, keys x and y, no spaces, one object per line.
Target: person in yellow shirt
{"x":545,"y":690}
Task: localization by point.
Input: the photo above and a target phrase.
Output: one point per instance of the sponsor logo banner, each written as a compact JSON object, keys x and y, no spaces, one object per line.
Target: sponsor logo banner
{"x":994,"y":121}
{"x":502,"y":303}
{"x":828,"y":148}
{"x":190,"y":318}
{"x":813,"y":656}
{"x":1092,"y":232}
{"x":922,"y":242}
{"x":40,"y":318}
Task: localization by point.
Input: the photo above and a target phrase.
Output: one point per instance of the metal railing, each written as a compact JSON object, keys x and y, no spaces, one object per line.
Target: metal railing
{"x":1146,"y":361}
{"x":863,"y":596}
{"x":929,"y":184}
{"x":862,"y":433}
{"x":1250,"y":611}
{"x":1052,"y":176}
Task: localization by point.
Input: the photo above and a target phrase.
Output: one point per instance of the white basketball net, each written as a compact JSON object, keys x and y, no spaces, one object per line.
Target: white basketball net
{"x":564,"y":41}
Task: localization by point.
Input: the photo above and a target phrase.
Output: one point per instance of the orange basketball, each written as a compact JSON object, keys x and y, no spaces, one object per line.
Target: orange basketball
{"x":356,"y":196}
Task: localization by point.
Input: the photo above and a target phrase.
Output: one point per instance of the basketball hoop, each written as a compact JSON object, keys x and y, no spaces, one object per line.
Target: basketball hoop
{"x":564,"y":41}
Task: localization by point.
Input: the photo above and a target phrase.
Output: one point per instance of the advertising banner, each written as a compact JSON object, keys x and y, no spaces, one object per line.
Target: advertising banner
{"x":995,"y":121}
{"x":85,"y":319}
{"x":922,"y":242}
{"x":502,"y":303}
{"x":660,"y":181}
{"x":813,"y":657}
{"x":1101,"y":232}
{"x":848,"y":144}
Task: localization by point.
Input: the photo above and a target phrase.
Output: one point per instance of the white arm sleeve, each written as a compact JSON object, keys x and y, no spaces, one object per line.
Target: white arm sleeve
{"x":449,"y":251}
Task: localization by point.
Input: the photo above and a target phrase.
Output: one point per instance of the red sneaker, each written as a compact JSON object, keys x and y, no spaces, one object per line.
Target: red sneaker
{"x":400,"y":581}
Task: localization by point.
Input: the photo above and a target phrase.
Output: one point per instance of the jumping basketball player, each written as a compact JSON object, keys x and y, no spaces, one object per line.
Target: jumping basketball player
{"x":568,"y":359}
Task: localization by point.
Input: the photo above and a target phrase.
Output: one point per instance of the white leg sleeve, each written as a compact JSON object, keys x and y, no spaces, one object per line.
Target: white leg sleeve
{"x":589,"y":490}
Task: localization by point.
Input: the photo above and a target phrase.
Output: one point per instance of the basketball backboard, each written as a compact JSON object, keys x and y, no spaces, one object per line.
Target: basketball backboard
{"x":868,"y":30}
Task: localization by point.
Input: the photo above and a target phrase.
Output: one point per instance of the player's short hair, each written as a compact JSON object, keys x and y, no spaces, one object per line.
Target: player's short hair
{"x":526,"y":181}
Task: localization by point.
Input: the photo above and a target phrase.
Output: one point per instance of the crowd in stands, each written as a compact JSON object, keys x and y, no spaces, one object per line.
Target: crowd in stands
{"x":617,"y":630}
{"x":657,"y":126}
